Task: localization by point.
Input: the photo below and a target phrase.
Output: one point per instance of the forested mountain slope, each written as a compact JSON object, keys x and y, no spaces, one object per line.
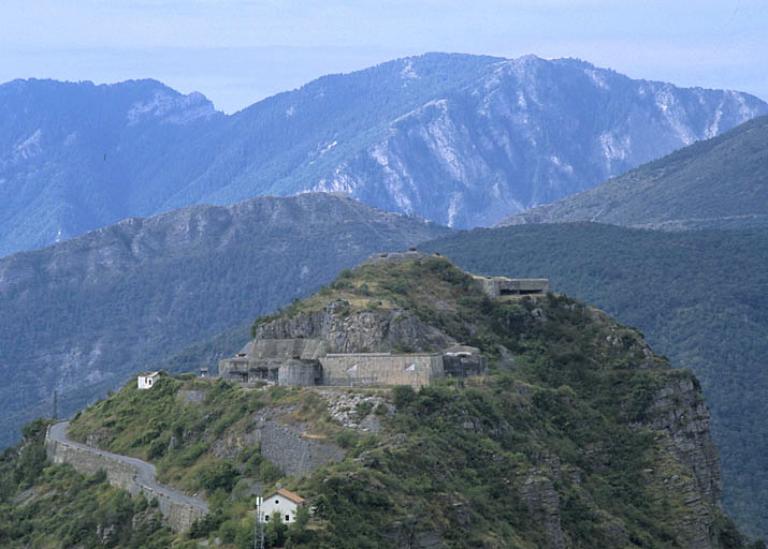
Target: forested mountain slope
{"x":701,"y":299}
{"x":81,"y":316}
{"x":462,"y":140}
{"x":718,"y":183}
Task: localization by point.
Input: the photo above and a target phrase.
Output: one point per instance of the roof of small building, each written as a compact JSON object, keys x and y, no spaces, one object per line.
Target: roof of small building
{"x":487,"y":277}
{"x":149,"y":374}
{"x":462,"y":349}
{"x":287,"y":494}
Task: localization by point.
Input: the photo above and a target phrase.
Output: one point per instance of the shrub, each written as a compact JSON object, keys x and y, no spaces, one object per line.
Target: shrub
{"x":403,"y":395}
{"x":218,"y":476}
{"x":347,"y":439}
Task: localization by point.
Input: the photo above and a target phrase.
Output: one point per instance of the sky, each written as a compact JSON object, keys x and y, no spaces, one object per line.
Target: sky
{"x":239,"y":51}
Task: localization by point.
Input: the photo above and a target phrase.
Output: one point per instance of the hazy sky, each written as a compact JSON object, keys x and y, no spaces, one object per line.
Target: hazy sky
{"x":239,"y":51}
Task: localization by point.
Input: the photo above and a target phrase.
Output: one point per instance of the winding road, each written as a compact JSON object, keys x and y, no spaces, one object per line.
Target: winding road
{"x":146,"y":474}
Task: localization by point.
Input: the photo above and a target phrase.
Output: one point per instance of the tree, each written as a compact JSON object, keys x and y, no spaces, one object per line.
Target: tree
{"x":297,"y":532}
{"x":276,"y":531}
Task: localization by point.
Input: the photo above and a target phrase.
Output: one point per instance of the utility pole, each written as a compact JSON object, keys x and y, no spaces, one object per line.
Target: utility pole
{"x":258,"y":538}
{"x":55,"y":403}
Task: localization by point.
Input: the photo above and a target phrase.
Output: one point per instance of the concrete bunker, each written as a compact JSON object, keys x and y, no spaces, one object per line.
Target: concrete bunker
{"x":501,"y":286}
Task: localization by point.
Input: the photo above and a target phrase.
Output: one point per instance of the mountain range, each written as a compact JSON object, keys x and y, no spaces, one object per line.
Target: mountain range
{"x":717,"y":183}
{"x":457,"y":139}
{"x":80,"y":316}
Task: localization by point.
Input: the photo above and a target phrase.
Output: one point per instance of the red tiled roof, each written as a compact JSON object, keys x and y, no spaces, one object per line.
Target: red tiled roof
{"x":293,"y":496}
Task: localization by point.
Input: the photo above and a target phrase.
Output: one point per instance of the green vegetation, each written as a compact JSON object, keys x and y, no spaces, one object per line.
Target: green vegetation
{"x":180,"y":421}
{"x":53,"y":506}
{"x":700,"y":297}
{"x":198,"y":433}
{"x":715,"y":183}
{"x":564,"y":416}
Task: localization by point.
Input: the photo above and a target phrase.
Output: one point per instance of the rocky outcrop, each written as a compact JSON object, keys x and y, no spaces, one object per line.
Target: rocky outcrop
{"x":359,"y":332}
{"x":543,"y":504}
{"x":357,"y":410}
{"x":680,"y":417}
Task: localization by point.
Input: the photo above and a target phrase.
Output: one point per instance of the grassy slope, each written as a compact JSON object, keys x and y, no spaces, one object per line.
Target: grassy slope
{"x":53,"y":506}
{"x":452,"y":461}
{"x":700,"y":298}
{"x":721,"y":182}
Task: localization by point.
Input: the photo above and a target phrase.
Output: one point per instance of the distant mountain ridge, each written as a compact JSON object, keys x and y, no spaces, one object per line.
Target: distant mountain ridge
{"x":458,"y":139}
{"x":80,"y":316}
{"x":718,"y":183}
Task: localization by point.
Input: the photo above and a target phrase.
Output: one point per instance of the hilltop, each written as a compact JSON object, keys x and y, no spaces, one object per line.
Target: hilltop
{"x":718,"y":183}
{"x":461,"y":140}
{"x":577,"y":435}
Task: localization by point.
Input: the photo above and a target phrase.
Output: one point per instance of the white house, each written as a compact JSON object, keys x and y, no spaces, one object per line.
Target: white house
{"x":284,"y":502}
{"x":147,"y":381}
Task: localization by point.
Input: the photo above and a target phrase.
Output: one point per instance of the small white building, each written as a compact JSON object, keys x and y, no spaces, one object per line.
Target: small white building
{"x":283,"y":501}
{"x":147,"y":381}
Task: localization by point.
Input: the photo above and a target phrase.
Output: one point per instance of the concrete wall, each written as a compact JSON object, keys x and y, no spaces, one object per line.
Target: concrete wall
{"x":300,"y":373}
{"x":178,"y":515}
{"x":381,"y":369}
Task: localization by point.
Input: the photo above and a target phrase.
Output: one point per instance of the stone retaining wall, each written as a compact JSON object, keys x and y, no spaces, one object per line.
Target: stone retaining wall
{"x":178,"y":515}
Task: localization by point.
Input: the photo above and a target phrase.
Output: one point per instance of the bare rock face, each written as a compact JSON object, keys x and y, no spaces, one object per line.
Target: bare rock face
{"x":359,"y":332}
{"x":357,"y":411}
{"x":680,"y":417}
{"x":680,"y":411}
{"x":543,"y":504}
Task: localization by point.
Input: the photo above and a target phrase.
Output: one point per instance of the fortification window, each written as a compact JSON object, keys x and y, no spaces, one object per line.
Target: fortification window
{"x":287,"y":518}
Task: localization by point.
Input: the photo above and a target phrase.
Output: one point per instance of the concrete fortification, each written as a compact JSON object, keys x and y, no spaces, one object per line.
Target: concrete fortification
{"x":339,"y":346}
